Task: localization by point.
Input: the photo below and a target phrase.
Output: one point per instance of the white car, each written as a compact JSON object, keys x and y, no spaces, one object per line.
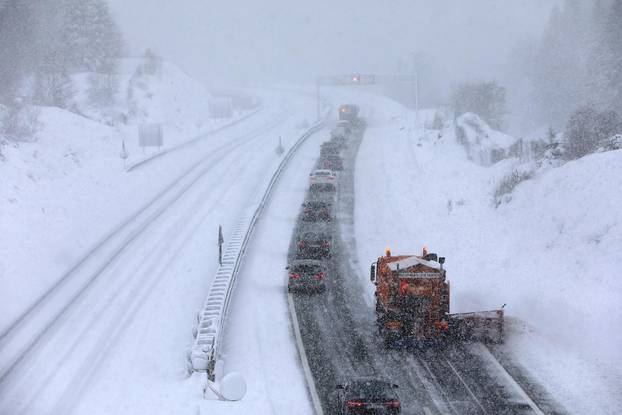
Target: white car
{"x":323,"y":180}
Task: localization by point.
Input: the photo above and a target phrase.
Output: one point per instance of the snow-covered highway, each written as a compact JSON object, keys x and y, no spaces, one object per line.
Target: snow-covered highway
{"x":112,"y":336}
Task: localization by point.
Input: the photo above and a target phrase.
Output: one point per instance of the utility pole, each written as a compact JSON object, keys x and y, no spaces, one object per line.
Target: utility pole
{"x":317,"y":98}
{"x":221,"y":240}
{"x":416,"y":88}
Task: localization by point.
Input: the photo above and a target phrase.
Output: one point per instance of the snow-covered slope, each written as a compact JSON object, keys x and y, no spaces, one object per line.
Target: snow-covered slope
{"x":551,"y":253}
{"x":62,"y":192}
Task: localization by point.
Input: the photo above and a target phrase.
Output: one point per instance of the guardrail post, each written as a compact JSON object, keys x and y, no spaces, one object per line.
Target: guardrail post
{"x":221,"y":240}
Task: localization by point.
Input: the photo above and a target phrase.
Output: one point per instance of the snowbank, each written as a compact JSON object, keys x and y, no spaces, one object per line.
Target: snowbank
{"x":482,"y":144}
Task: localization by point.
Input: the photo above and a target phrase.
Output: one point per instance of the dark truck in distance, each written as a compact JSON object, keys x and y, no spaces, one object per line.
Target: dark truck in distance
{"x":349,"y":112}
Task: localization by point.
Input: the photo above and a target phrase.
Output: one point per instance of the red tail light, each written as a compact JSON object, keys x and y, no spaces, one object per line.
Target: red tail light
{"x":354,"y":404}
{"x":393,"y":403}
{"x":441,"y":325}
{"x":294,"y":276}
{"x":326,"y":244}
{"x":319,"y":276}
{"x":393,"y":325}
{"x":301,"y":244}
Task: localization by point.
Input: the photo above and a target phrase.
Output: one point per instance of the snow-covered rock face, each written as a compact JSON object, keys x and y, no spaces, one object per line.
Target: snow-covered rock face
{"x":483,"y":145}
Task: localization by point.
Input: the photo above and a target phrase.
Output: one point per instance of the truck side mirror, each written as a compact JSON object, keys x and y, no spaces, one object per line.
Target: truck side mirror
{"x":372,"y":273}
{"x":441,"y":260}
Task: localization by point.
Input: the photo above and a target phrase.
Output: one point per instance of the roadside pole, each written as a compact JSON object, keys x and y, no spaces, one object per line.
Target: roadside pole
{"x":221,"y":240}
{"x":415,"y":80}
{"x":124,"y":154}
{"x":317,"y":99}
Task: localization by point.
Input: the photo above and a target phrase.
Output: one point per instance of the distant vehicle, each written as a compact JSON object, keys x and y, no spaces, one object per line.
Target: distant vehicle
{"x":412,"y":304}
{"x":368,"y":396}
{"x":339,"y":140}
{"x":330,"y":147}
{"x":316,"y":210}
{"x":323,"y":179}
{"x":346,"y":125}
{"x":339,"y":132}
{"x":306,"y":275}
{"x":332,"y":162}
{"x":349,"y":112}
{"x":314,"y":241}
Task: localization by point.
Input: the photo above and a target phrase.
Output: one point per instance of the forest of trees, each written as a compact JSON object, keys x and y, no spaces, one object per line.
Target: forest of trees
{"x":44,"y":42}
{"x":574,"y":78}
{"x":576,"y":73}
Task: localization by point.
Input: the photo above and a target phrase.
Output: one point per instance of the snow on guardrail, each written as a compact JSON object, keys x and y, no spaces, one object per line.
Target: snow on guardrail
{"x":206,"y":349}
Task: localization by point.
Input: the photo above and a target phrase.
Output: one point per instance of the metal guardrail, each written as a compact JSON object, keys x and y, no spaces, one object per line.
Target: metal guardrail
{"x":207,"y":345}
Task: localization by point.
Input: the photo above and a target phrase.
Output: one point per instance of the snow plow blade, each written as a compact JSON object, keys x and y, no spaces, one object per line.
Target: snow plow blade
{"x":480,"y":326}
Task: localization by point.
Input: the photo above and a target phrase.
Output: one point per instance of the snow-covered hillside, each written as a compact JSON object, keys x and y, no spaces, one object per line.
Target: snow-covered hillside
{"x":551,"y":250}
{"x":71,"y":178}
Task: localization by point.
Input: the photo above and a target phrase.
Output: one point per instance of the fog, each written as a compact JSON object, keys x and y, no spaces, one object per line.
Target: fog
{"x":281,"y":40}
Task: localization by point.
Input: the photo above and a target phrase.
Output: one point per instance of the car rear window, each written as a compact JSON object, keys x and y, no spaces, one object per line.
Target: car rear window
{"x":306,"y":269}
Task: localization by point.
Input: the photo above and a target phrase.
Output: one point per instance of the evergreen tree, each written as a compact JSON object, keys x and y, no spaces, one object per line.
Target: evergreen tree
{"x":610,"y":58}
{"x":559,"y":76}
{"x":91,"y":36}
{"x":486,"y":99}
{"x":17,"y":36}
{"x":53,"y":85}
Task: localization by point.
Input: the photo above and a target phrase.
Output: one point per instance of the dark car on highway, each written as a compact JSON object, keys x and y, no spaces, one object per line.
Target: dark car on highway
{"x":330,"y":147}
{"x":316,"y":210}
{"x":306,"y":275}
{"x":368,"y":396}
{"x":314,"y":242}
{"x":332,"y":162}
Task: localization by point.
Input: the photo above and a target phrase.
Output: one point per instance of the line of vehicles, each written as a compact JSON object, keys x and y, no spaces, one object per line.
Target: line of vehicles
{"x":412,"y":291}
{"x":308,"y":270}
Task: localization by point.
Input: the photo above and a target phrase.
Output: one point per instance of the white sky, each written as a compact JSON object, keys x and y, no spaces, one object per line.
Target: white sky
{"x":296,"y":40}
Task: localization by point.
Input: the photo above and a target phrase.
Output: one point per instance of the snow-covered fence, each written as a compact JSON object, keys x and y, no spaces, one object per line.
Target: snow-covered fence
{"x":209,"y":334}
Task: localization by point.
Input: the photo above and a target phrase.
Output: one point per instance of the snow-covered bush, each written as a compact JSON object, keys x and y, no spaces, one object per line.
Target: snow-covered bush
{"x":587,"y":129}
{"x":506,"y":186}
{"x":611,"y":143}
{"x":19,"y":122}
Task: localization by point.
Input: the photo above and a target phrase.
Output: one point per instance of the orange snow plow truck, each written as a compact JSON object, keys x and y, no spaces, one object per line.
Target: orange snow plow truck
{"x":412,"y":304}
